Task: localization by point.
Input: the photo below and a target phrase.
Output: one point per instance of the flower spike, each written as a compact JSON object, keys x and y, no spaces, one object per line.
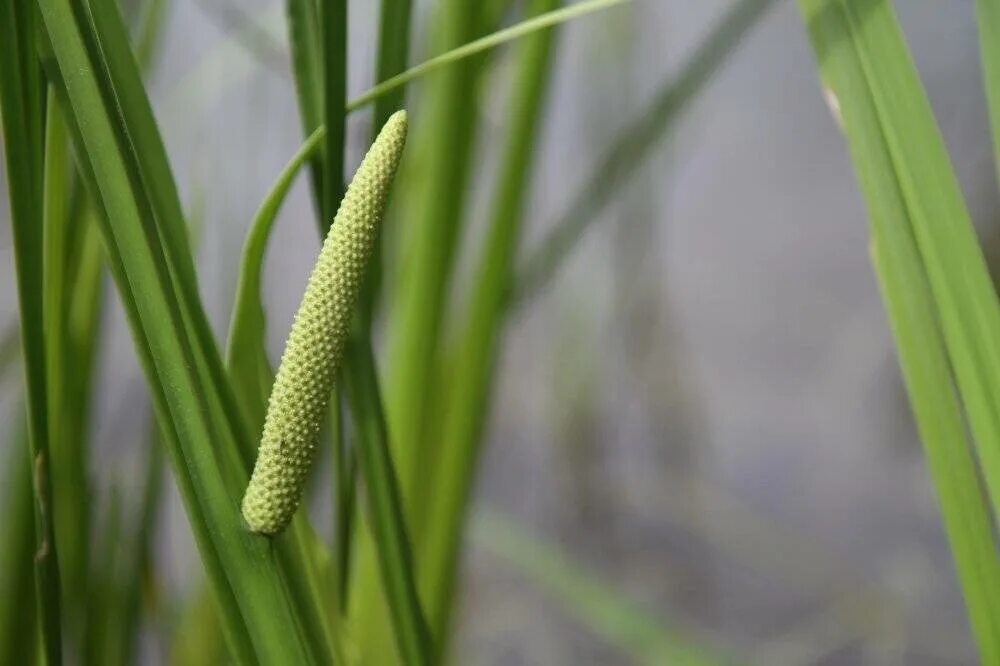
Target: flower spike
{"x":305,"y":378}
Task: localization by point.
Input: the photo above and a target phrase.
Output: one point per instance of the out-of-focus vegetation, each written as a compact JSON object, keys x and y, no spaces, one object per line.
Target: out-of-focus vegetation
{"x":372,"y":571}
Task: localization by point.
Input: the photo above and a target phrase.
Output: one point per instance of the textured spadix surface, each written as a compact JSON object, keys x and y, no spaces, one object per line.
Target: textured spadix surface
{"x":315,"y":345}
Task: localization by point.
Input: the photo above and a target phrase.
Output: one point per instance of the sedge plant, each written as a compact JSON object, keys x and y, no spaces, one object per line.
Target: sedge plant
{"x":92,"y":191}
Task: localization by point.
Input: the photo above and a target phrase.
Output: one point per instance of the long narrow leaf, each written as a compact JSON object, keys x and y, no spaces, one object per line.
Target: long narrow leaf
{"x":246,"y":356}
{"x":333,"y":18}
{"x":260,"y":623}
{"x":964,"y":296}
{"x":469,"y":384}
{"x":443,"y":135}
{"x":474,"y":47}
{"x":304,"y":35}
{"x":69,"y":464}
{"x":865,"y":65}
{"x":393,"y":546}
{"x":22,"y":111}
{"x":18,"y":626}
{"x":393,"y":51}
{"x":295,"y":555}
{"x":988,"y":24}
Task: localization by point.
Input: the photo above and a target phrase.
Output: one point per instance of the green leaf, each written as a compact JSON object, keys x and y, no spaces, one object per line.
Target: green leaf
{"x":18,"y":625}
{"x":602,"y":609}
{"x":463,"y":412}
{"x":939,"y":298}
{"x":393,"y":54}
{"x":263,"y":622}
{"x":304,"y":33}
{"x":249,"y":368}
{"x":69,"y":468}
{"x":443,"y":135}
{"x":22,"y":107}
{"x":988,"y":24}
{"x":476,"y":46}
{"x":385,"y":506}
{"x":333,"y":18}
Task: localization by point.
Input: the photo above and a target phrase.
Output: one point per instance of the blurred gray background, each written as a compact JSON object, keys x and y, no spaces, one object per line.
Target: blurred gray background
{"x":703,"y":409}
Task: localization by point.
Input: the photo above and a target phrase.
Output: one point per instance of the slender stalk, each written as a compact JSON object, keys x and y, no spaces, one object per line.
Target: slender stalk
{"x":393,"y":52}
{"x":469,"y":383}
{"x":988,"y":25}
{"x":22,"y":106}
{"x":333,"y":20}
{"x":938,"y":295}
{"x":444,"y":136}
{"x":260,"y":619}
{"x":18,"y":628}
{"x":307,"y":67}
{"x":388,"y":524}
{"x":246,"y":360}
{"x":476,"y":46}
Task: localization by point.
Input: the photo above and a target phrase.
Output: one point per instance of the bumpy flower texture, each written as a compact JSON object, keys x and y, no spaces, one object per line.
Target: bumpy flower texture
{"x":308,"y":368}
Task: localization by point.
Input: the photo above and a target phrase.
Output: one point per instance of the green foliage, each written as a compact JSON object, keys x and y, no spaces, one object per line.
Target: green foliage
{"x":151,"y":262}
{"x":940,"y":300}
{"x":18,"y":626}
{"x":472,"y":365}
{"x":22,"y":107}
{"x":246,"y":356}
{"x":71,"y":87}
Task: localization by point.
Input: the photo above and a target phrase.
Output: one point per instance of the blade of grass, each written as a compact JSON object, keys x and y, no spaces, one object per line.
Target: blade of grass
{"x":148,"y":33}
{"x":136,"y":116}
{"x":455,"y":55}
{"x":79,"y":328}
{"x":599,"y":607}
{"x":68,"y":468}
{"x":249,"y":368}
{"x":22,"y":110}
{"x":388,"y":526}
{"x":393,"y":53}
{"x":304,"y":34}
{"x":470,"y":380}
{"x":864,"y":63}
{"x":964,"y":296}
{"x":296,"y":558}
{"x":259,"y":621}
{"x":988,"y":25}
{"x":443,"y":135}
{"x":345,"y":475}
{"x":333,"y":17}
{"x":635,"y":145}
{"x":18,"y":628}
